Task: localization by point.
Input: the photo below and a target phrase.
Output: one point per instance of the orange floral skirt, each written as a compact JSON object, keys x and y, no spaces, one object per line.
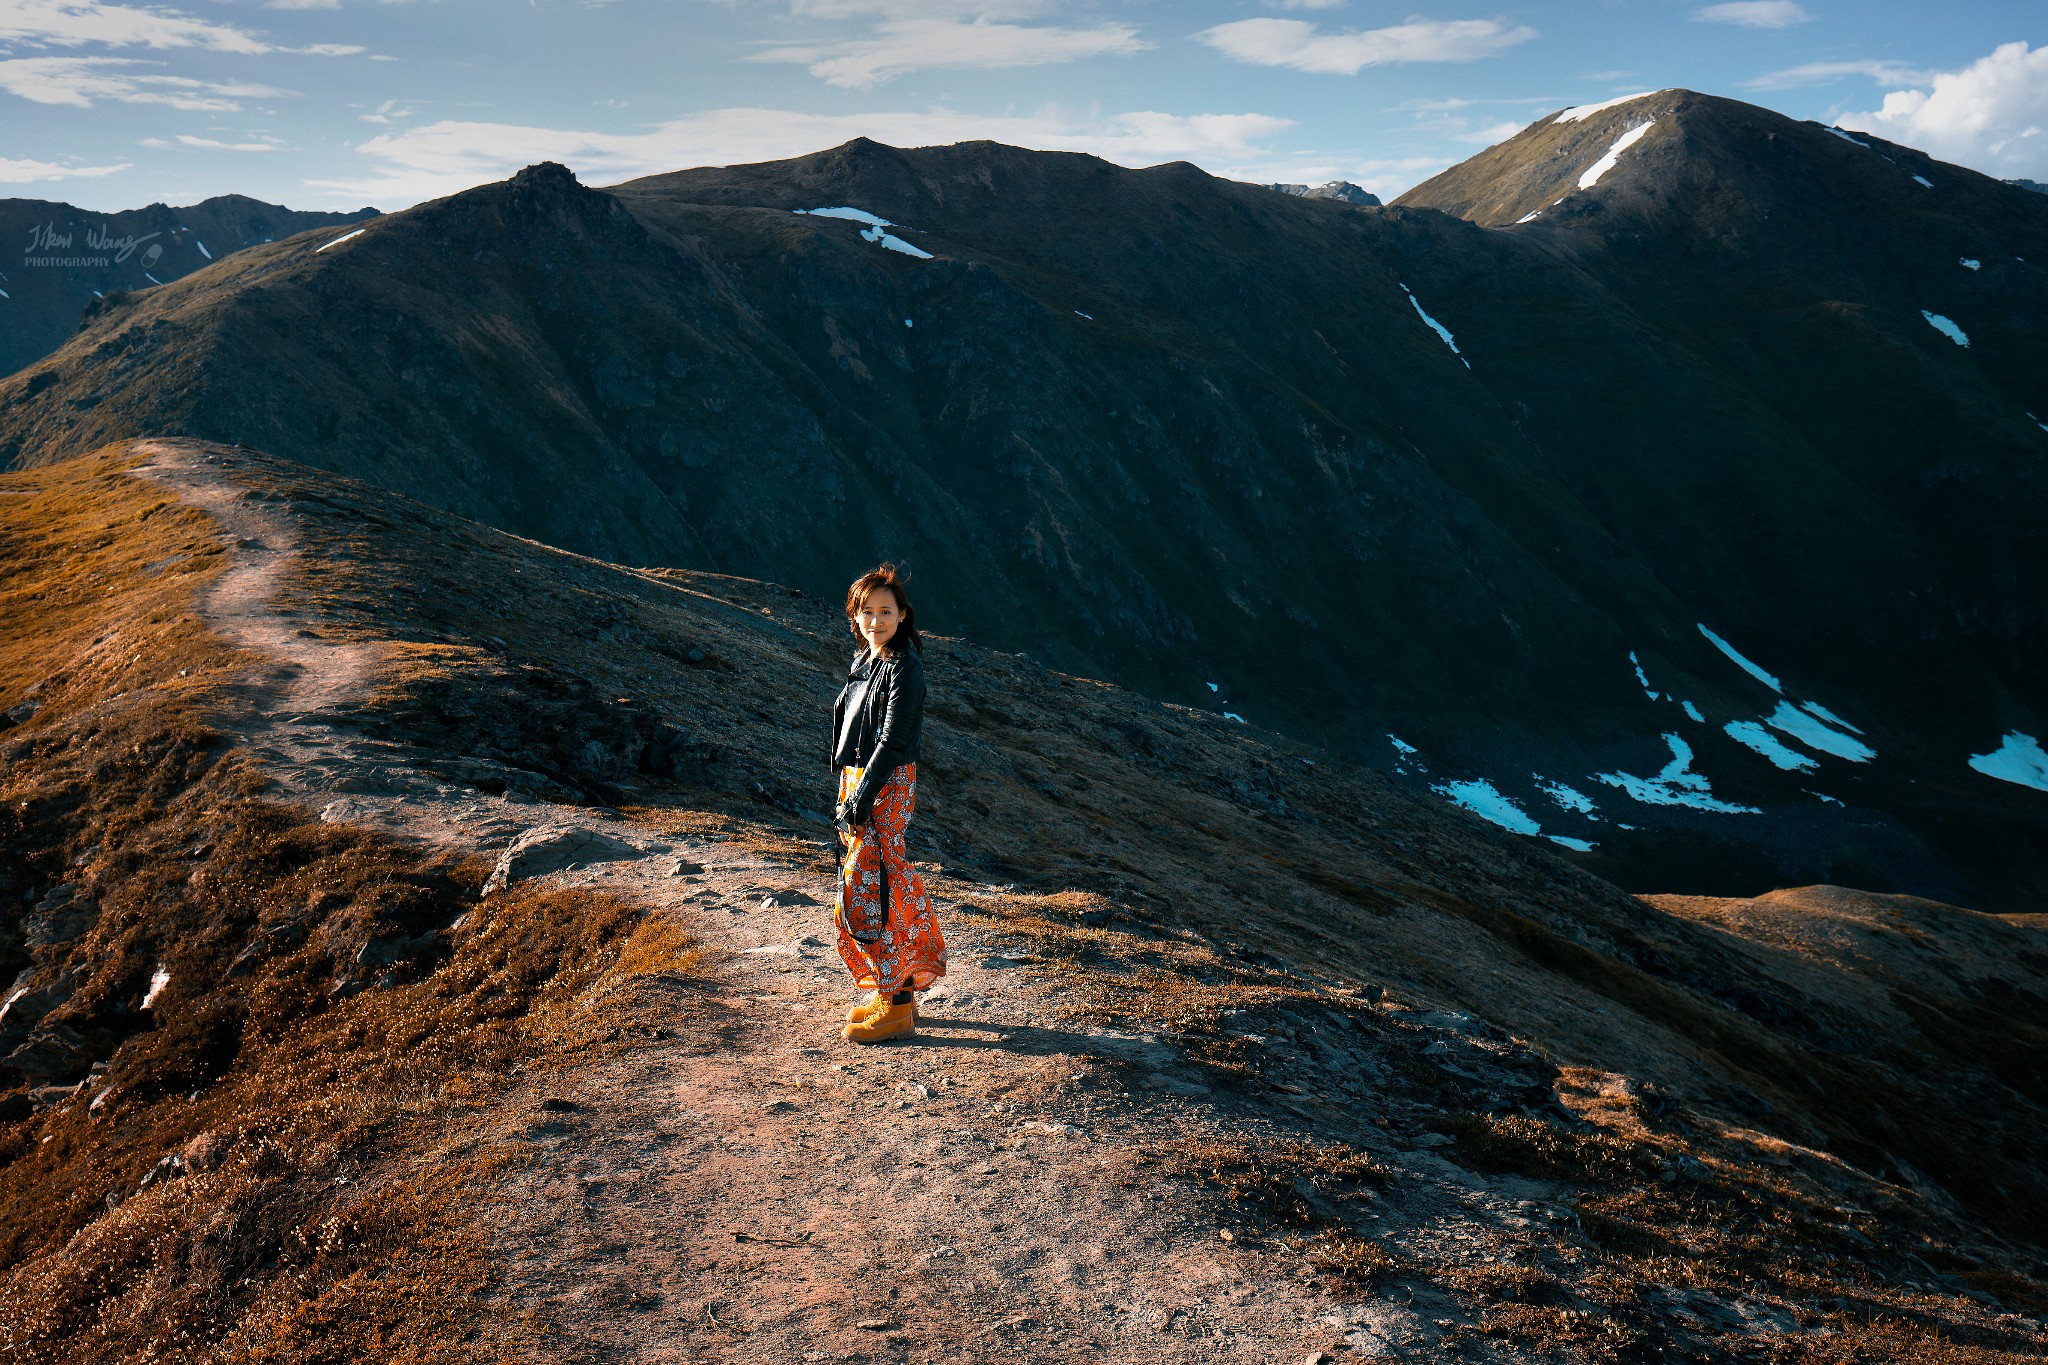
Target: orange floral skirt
{"x":888,"y":936}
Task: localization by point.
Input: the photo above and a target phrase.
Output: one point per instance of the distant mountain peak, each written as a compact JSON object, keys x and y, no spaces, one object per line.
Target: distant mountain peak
{"x":1341,"y":190}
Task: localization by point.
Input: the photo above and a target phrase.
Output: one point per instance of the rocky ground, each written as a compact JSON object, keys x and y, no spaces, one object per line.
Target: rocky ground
{"x":1128,"y":1128}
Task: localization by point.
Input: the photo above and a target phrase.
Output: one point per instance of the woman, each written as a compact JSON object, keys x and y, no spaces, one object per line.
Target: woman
{"x":887,"y":934}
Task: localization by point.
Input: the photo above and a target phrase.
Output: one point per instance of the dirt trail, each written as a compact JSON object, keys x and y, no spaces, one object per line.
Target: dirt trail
{"x":747,"y":1186}
{"x":751,"y":1187}
{"x":739,"y":1184}
{"x":284,"y":701}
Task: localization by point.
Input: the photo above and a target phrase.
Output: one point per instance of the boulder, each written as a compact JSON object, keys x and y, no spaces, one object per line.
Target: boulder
{"x":550,"y":848}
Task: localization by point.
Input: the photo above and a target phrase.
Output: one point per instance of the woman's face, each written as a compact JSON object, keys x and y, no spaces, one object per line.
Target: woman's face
{"x":878,"y":619}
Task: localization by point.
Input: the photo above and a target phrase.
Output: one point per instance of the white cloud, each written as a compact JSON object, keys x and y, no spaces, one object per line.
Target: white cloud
{"x":899,"y":11}
{"x":17,"y":171}
{"x":445,"y":157}
{"x":1493,"y":132}
{"x":188,"y":140}
{"x":1821,"y":73}
{"x":74,"y":23}
{"x":904,"y":45}
{"x":1303,"y":4}
{"x":1754,"y":14}
{"x":1302,"y":46}
{"x":1992,"y":115}
{"x":82,"y":81}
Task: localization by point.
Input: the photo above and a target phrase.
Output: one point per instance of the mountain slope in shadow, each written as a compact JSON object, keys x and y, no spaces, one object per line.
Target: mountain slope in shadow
{"x":71,"y":257}
{"x":247,"y":927}
{"x":1553,"y":531}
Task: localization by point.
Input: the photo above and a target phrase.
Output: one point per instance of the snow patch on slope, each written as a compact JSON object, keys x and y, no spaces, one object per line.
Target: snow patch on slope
{"x":1436,"y":326}
{"x":1571,"y":798}
{"x":851,"y":215}
{"x":1675,"y":785}
{"x":1487,"y":802}
{"x":1946,"y":326}
{"x":1613,"y":157}
{"x":1745,"y":665}
{"x":1753,"y":735}
{"x":876,"y":229}
{"x":2018,"y":758}
{"x":1791,"y":720}
{"x":1830,"y":717}
{"x":1580,"y":112}
{"x":337,"y":241}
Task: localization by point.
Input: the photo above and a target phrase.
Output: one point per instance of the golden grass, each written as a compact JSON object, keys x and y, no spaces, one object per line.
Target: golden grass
{"x":280,"y":1098}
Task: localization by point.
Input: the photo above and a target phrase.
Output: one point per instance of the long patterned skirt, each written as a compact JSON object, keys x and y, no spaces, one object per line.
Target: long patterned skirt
{"x":888,"y":936}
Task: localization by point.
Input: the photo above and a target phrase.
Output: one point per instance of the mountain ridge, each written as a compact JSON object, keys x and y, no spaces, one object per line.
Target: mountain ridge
{"x":1395,"y":482}
{"x":46,"y":300}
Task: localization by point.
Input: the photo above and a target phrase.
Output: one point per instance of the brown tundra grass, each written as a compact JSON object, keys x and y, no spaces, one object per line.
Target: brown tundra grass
{"x":245,"y":1179}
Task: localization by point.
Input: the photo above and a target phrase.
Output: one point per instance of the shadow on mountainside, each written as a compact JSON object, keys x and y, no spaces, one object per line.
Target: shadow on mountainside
{"x":1242,"y":1051}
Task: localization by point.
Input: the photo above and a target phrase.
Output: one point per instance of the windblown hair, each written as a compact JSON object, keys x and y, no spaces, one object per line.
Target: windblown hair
{"x":889,"y":577}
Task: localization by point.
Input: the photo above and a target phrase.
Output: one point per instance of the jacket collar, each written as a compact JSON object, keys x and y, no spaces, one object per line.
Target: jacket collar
{"x":862,"y":666}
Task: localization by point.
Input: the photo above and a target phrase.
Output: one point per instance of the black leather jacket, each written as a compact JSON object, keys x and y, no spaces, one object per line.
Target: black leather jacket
{"x":877,"y":721}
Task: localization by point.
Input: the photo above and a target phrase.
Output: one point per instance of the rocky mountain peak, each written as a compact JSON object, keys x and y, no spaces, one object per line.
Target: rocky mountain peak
{"x":1342,"y":191}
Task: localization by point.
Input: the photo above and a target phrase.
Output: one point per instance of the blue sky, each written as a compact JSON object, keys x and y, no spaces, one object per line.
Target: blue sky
{"x":342,"y":103}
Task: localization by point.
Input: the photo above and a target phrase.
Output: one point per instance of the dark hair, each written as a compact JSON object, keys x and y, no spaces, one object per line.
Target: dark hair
{"x":890,"y":577}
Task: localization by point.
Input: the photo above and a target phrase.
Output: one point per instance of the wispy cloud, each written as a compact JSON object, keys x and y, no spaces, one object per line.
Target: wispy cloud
{"x":188,"y":140}
{"x":75,"y":23}
{"x":1822,"y":73}
{"x":13,"y":171}
{"x":1754,"y":14}
{"x":1991,"y":115}
{"x":84,"y":81}
{"x":1304,"y":47}
{"x":1493,"y":132}
{"x":444,"y":157}
{"x":905,"y":45}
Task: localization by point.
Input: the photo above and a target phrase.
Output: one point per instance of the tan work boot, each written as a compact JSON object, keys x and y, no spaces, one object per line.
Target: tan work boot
{"x":861,"y":1009}
{"x":891,"y":1021}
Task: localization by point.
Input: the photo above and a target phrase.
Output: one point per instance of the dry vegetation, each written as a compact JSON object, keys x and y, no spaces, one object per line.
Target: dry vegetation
{"x":231,"y":1179}
{"x":242,"y":1178}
